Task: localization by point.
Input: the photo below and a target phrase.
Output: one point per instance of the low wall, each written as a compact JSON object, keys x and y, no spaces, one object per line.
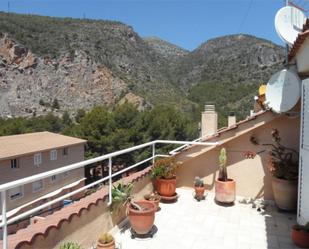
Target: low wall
{"x":90,"y":224}
{"x":252,"y":176}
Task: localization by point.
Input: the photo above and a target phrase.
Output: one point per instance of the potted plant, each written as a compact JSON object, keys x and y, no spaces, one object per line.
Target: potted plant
{"x":70,"y":245}
{"x":164,"y":173}
{"x":300,"y":235}
{"x":141,"y":214}
{"x":283,"y":165}
{"x":154,"y":198}
{"x":199,"y":187}
{"x":224,"y":187}
{"x":106,"y":241}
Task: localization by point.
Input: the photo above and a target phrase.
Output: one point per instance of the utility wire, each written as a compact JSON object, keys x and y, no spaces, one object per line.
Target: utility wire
{"x":245,"y":16}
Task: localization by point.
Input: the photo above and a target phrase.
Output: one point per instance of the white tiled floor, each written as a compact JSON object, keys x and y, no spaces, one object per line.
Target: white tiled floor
{"x":189,"y":224}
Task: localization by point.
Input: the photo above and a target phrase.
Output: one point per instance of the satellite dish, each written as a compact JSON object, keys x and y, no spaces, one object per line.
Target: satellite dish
{"x":283,"y":91}
{"x":289,"y":23}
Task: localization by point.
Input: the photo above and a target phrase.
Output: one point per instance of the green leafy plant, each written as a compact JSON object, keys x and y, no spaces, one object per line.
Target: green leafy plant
{"x":165,"y":168}
{"x":222,"y":165}
{"x":70,"y":245}
{"x":283,"y":162}
{"x":106,"y":238}
{"x":121,"y":196}
{"x":198,"y":182}
{"x":304,"y":228}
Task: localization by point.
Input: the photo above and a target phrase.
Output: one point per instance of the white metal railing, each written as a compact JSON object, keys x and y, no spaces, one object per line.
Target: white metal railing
{"x":174,"y":151}
{"x":7,"y":186}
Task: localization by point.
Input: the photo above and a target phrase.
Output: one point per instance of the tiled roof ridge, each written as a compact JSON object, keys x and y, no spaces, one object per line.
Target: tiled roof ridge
{"x":28,"y":235}
{"x":232,"y":127}
{"x":299,"y":41}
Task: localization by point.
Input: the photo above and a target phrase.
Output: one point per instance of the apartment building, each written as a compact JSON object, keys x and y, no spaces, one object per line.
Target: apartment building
{"x":33,"y":153}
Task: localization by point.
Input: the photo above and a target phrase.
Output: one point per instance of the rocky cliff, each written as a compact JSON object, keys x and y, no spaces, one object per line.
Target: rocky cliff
{"x":83,"y":63}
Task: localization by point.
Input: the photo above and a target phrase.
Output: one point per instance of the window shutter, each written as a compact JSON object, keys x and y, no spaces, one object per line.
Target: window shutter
{"x":303,"y":191}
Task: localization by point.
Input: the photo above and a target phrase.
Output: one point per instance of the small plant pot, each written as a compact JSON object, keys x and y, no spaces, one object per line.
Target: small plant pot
{"x":166,"y":187}
{"x":300,"y":238}
{"x":155,"y":202}
{"x":225,"y":191}
{"x":110,"y":245}
{"x":142,"y":221}
{"x":199,"y":192}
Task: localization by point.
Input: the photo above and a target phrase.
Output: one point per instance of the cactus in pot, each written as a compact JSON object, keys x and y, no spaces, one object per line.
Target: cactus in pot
{"x":225,"y":188}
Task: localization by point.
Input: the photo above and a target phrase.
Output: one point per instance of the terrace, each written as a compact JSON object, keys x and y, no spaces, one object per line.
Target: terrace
{"x":189,"y":224}
{"x":183,"y":224}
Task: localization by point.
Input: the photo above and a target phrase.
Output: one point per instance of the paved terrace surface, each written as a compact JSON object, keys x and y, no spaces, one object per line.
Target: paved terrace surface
{"x":189,"y":224}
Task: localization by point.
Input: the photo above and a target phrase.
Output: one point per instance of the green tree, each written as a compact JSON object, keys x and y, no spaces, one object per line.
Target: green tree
{"x":66,"y":119}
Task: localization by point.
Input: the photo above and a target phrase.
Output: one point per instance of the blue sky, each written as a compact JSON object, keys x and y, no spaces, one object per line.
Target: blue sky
{"x":186,"y":23}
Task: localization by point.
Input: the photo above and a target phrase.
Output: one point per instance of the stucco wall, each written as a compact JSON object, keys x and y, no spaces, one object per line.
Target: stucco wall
{"x":302,"y":58}
{"x":252,"y":175}
{"x":87,"y":227}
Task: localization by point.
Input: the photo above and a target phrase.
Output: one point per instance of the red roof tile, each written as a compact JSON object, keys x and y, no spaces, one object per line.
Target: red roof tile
{"x":55,"y":220}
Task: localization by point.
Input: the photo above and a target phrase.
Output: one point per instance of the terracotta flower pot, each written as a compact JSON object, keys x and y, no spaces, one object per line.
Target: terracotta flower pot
{"x":199,"y":192}
{"x":285,"y":193}
{"x":225,"y":191}
{"x":155,"y":202}
{"x":166,"y":187}
{"x":142,"y":221}
{"x":110,"y":245}
{"x":300,"y":238}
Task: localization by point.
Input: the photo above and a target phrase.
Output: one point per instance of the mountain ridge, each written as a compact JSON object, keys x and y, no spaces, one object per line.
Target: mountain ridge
{"x":84,"y":63}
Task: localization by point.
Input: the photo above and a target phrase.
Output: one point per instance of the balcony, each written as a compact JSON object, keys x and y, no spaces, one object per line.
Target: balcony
{"x":189,"y":224}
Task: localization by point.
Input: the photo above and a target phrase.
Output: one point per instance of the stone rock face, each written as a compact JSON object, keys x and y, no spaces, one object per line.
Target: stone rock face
{"x":28,"y":81}
{"x":135,"y":100}
{"x":83,"y":63}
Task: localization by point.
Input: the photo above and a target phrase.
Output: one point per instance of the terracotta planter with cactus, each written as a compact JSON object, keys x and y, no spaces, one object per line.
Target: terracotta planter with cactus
{"x":225,"y":188}
{"x":225,"y":191}
{"x":300,"y":235}
{"x":199,"y":188}
{"x":106,"y":241}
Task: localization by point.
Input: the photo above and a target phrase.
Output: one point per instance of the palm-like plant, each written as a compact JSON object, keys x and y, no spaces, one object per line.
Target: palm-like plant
{"x":121,"y":195}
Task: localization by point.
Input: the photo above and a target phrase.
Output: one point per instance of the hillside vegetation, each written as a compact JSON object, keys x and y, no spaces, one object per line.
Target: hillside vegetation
{"x":85,"y":63}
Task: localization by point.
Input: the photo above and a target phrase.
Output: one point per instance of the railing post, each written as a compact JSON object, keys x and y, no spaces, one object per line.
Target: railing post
{"x":4,"y":221}
{"x":153,"y":152}
{"x":110,"y":181}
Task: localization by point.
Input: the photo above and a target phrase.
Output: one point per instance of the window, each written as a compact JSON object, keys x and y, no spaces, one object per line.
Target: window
{"x":65,"y":151}
{"x":53,"y":155}
{"x":53,"y":178}
{"x":16,"y":193}
{"x":15,"y":164}
{"x":37,"y":186}
{"x":37,"y":159}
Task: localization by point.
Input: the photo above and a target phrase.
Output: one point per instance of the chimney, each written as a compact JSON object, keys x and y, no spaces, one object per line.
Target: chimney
{"x":209,"y":120}
{"x":231,"y":120}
